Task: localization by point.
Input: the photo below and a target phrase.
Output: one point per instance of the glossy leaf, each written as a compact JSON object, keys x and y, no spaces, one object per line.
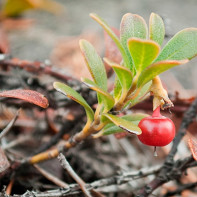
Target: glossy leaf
{"x":132,"y":25}
{"x":157,"y":68}
{"x":143,"y":52}
{"x":106,"y":98}
{"x":182,"y":46}
{"x":72,"y":94}
{"x":111,"y":128}
{"x":114,"y":38}
{"x":124,"y":75}
{"x":156,"y":28}
{"x":123,"y":124}
{"x":94,"y":64}
{"x":193,"y":147}
{"x":28,"y":96}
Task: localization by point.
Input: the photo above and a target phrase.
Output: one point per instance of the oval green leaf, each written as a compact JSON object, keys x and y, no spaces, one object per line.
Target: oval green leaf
{"x":72,"y":94}
{"x":111,"y":128}
{"x":124,"y":75}
{"x":117,"y":91}
{"x":106,"y":99}
{"x":113,"y":37}
{"x":157,"y":68}
{"x":156,"y":28}
{"x":182,"y":46}
{"x":143,"y":52}
{"x":94,"y":64}
{"x":123,"y":124}
{"x":132,"y":25}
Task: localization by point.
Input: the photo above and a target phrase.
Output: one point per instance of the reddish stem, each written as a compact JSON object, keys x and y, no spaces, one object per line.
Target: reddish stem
{"x":156,"y":112}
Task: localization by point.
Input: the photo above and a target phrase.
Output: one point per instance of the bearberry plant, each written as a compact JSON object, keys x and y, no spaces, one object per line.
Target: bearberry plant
{"x":143,"y":59}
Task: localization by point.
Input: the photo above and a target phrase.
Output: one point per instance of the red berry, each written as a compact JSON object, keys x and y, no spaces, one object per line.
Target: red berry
{"x":157,"y":130}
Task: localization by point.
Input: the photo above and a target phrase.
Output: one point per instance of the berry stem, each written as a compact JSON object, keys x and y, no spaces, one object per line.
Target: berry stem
{"x":156,"y":112}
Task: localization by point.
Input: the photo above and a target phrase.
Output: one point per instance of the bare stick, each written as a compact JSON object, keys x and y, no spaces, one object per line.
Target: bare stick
{"x":72,"y":173}
{"x":120,"y":179}
{"x":9,"y":126}
{"x":51,"y":177}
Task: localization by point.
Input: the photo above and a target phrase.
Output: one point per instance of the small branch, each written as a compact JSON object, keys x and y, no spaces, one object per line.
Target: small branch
{"x":68,"y":125}
{"x":36,"y":67}
{"x":9,"y":126}
{"x":51,"y":177}
{"x":68,"y":168}
{"x":72,"y":189}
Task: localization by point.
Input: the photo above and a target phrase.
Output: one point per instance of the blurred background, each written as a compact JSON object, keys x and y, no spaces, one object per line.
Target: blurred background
{"x":43,"y":29}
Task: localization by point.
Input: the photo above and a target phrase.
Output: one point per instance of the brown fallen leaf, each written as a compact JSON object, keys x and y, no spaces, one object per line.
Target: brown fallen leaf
{"x":27,"y":95}
{"x":10,"y":24}
{"x":193,"y":147}
{"x":67,"y":54}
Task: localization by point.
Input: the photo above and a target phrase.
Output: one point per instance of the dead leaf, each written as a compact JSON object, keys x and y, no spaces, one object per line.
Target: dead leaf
{"x":193,"y":147}
{"x":27,"y":95}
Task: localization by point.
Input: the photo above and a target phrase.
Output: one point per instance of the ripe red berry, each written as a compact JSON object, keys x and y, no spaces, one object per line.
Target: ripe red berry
{"x":157,"y":130}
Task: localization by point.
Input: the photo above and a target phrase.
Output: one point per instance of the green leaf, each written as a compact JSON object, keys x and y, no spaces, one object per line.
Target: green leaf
{"x":156,"y":28}
{"x":182,"y":46}
{"x":143,"y":52}
{"x":117,"y":90}
{"x":155,"y":69}
{"x":125,"y":76}
{"x":106,"y":99}
{"x":123,"y":124}
{"x":111,"y":128}
{"x":141,"y":96}
{"x":94,"y":64}
{"x":132,"y":25}
{"x":72,"y":94}
{"x":113,"y":37}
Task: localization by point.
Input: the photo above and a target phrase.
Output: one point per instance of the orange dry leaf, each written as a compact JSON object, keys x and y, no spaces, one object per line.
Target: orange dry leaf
{"x":193,"y":147}
{"x":188,"y":193}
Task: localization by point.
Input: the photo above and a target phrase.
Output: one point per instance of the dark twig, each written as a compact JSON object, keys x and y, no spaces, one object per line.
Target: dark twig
{"x":188,"y":118}
{"x":124,"y":177}
{"x":36,"y":67}
{"x":68,"y":125}
{"x":181,"y":189}
{"x":9,"y":126}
